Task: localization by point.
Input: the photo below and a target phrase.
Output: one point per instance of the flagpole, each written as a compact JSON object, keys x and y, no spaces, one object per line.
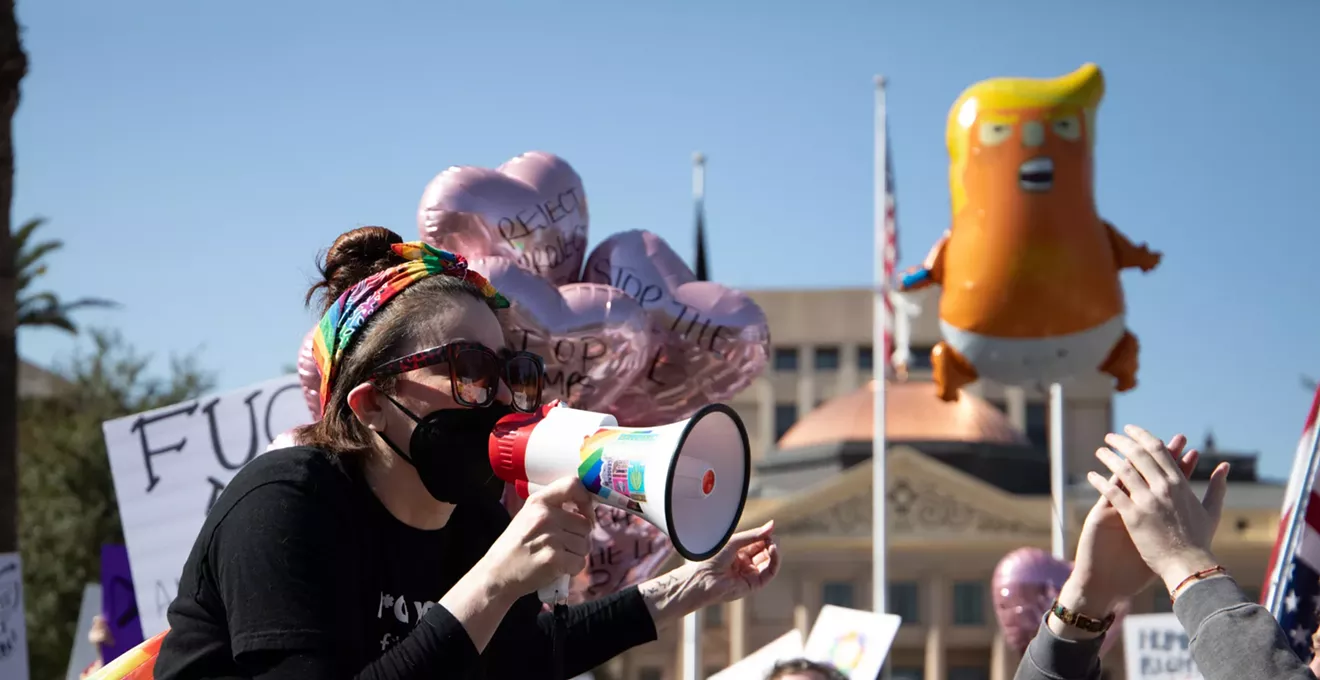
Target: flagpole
{"x":1296,"y":521}
{"x":1058,"y":475}
{"x":692,"y":622}
{"x":880,"y":365}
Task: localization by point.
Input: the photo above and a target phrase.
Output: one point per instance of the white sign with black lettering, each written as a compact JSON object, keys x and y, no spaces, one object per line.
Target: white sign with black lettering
{"x":1155,"y":647}
{"x":170,"y":465}
{"x":13,"y":627}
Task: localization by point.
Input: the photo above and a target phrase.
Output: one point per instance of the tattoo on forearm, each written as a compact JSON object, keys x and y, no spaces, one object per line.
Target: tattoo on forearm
{"x":663,"y":592}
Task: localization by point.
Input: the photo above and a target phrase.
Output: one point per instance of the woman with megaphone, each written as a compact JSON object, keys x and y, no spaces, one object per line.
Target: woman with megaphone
{"x":378,"y":547}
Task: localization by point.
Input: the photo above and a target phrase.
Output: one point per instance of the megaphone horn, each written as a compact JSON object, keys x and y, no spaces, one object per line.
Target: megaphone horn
{"x":689,"y":478}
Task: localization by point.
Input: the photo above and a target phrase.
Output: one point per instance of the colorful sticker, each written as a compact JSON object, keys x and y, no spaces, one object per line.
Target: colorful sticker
{"x":606,"y":476}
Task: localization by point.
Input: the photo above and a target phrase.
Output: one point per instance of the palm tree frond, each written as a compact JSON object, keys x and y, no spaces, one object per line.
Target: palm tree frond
{"x":27,"y":257}
{"x":47,"y":317}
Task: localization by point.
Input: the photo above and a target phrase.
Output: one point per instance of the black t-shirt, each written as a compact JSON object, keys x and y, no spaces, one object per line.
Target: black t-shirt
{"x":299,"y":571}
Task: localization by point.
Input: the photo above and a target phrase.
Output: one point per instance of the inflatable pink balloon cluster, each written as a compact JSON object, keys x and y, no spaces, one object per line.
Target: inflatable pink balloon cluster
{"x":625,"y":329}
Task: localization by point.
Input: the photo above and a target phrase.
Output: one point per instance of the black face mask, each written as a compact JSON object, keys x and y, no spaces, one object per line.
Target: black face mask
{"x":449,"y":451}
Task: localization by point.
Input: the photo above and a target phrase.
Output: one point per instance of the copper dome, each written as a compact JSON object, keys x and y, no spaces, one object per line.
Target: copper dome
{"x":912,"y":413}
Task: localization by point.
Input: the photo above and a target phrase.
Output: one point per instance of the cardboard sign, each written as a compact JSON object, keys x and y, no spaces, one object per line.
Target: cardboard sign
{"x":13,"y":627}
{"x":119,"y":604}
{"x":169,"y":467}
{"x":84,"y":653}
{"x":758,"y":664}
{"x":854,"y":641}
{"x":1155,"y":647}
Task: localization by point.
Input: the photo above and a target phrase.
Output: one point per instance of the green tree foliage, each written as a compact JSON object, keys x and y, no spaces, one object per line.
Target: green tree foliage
{"x":44,"y":308}
{"x":67,"y":506}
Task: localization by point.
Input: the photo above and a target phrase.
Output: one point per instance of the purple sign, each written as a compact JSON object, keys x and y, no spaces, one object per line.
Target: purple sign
{"x":118,"y":602}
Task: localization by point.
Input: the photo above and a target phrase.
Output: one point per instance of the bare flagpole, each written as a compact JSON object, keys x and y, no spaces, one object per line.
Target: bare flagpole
{"x":692,"y":622}
{"x":880,"y":364}
{"x":1058,"y":475}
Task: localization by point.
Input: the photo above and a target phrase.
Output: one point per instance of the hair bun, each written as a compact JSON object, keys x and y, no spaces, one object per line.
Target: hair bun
{"x":354,"y":256}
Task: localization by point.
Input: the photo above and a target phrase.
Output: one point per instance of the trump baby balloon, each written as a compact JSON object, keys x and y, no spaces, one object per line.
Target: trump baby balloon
{"x":1029,"y":271}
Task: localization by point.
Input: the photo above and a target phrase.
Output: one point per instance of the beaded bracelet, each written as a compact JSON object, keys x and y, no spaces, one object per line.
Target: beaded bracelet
{"x":1079,"y":620}
{"x":1198,"y":576}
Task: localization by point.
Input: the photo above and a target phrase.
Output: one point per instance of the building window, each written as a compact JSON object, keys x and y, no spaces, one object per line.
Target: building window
{"x":969,"y":603}
{"x":785,"y":416}
{"x":905,"y":601}
{"x":1038,"y":424}
{"x":969,"y":673}
{"x":908,"y":673}
{"x":827,"y":358}
{"x":713,"y":616}
{"x":786,"y":359}
{"x":837,"y":593}
{"x":650,"y":673}
{"x":865,"y":360}
{"x":919,"y":358}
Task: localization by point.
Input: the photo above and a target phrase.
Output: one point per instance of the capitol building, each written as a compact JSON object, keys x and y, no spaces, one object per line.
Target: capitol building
{"x":968,"y":482}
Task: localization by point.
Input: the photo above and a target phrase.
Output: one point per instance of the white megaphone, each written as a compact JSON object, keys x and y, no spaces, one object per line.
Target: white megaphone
{"x":689,"y":479}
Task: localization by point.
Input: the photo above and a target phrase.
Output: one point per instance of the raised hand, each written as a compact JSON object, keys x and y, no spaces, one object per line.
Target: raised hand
{"x":1169,"y":526}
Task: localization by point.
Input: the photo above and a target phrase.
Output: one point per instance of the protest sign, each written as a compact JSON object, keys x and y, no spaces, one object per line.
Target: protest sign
{"x":13,"y":627}
{"x":1155,"y":647}
{"x":854,"y":641}
{"x":84,"y":653}
{"x":169,"y":467}
{"x":758,"y":664}
{"x":119,"y":604}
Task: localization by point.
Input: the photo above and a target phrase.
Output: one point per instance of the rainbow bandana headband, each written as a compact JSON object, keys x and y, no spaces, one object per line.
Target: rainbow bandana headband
{"x":349,"y":314}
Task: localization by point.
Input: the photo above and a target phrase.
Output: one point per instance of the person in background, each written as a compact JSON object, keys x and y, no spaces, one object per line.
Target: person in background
{"x":99,"y":635}
{"x":1314,"y":665}
{"x":378,"y":548}
{"x":804,"y":669}
{"x":1149,"y":524}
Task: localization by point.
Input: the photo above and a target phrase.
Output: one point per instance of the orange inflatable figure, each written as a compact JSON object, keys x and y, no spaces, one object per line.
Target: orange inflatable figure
{"x":1030,"y":273}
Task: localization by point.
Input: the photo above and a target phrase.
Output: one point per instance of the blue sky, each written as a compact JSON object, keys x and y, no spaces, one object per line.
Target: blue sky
{"x":195,"y":156}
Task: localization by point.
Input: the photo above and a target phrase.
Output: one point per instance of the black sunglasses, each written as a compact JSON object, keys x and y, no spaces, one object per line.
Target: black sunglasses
{"x":475,"y":372}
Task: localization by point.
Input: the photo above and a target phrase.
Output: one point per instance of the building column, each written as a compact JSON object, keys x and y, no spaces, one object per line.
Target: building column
{"x":848,"y":369}
{"x":1015,"y":401}
{"x":806,"y":393}
{"x":736,"y":612}
{"x":1003,"y":661}
{"x":802,"y":605}
{"x":937,"y":611}
{"x":765,"y":414}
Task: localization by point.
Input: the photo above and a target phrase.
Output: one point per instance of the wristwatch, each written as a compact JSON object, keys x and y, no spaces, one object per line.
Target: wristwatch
{"x":1089,"y":624}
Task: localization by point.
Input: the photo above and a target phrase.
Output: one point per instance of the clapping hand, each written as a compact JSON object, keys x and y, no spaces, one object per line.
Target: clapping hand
{"x":1168,"y":525}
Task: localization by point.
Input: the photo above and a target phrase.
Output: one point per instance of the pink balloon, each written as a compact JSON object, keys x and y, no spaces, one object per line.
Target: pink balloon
{"x":532,"y":210}
{"x":625,"y":550}
{"x":595,"y":340}
{"x":713,"y":341}
{"x":1025,"y":583}
{"x":309,"y":375}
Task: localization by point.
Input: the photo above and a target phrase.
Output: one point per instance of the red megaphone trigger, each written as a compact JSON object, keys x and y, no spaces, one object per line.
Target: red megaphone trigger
{"x":508,"y":446}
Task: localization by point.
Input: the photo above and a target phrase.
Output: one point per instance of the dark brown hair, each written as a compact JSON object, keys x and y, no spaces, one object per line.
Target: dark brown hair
{"x":411,"y":317}
{"x":824,"y":670}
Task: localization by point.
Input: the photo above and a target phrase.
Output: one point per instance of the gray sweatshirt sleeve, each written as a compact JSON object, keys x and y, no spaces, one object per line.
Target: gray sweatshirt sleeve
{"x":1233,"y":638}
{"x":1050,"y":657}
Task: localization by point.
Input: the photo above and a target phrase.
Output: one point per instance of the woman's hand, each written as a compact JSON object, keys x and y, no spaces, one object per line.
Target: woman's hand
{"x":1168,"y":525}
{"x":544,"y":541}
{"x":1108,"y":569}
{"x":746,"y":563}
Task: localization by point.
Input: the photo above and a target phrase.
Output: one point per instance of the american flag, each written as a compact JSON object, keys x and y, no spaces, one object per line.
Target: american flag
{"x":1292,"y":588}
{"x":891,"y":257}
